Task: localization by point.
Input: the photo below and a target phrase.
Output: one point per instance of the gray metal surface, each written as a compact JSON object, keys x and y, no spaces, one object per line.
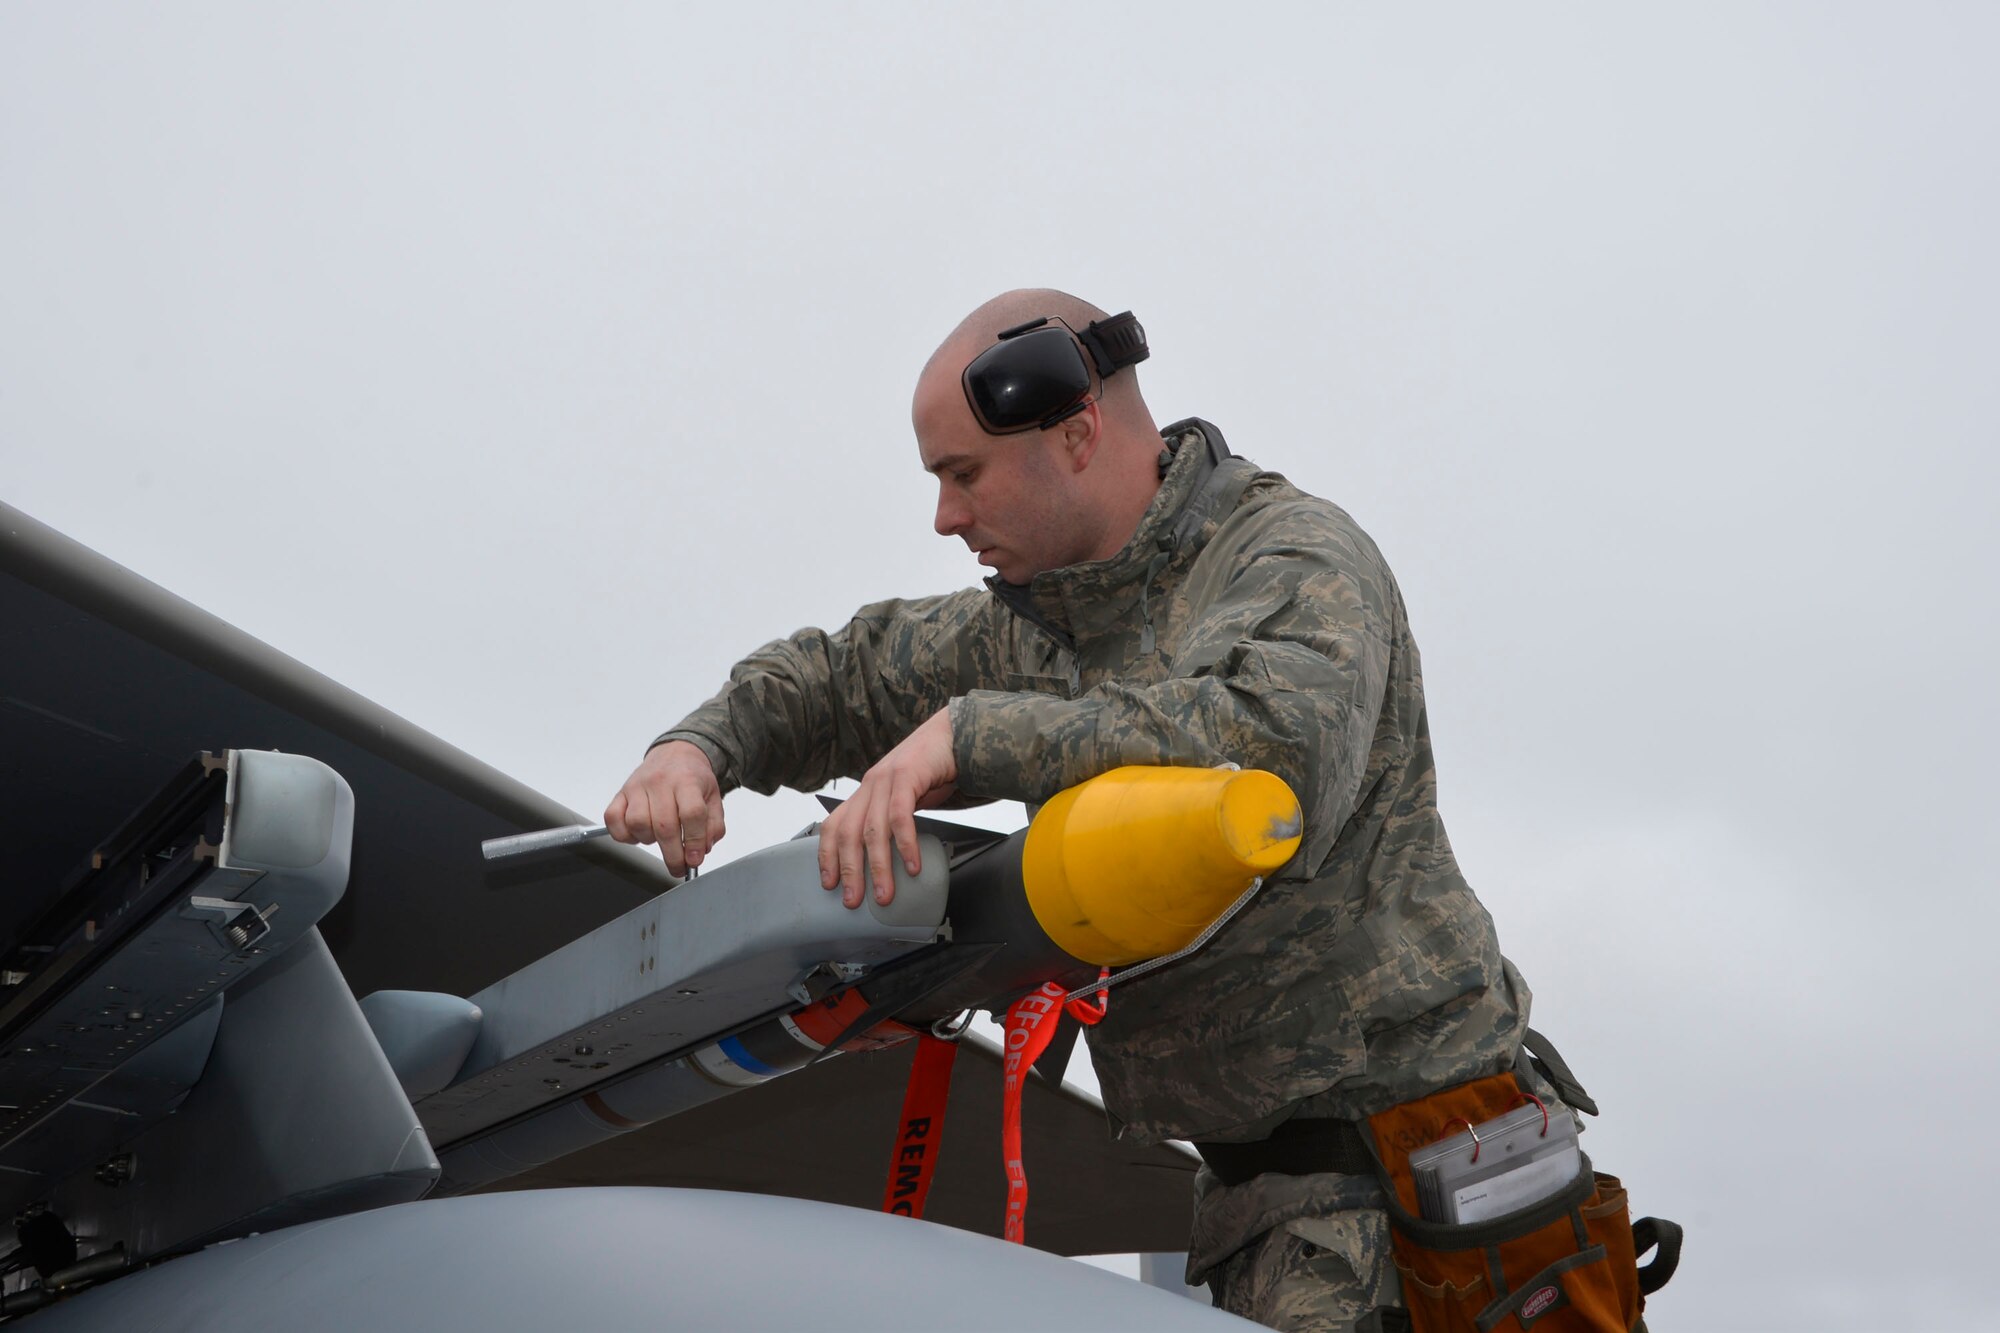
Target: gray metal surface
{"x":281,"y":879}
{"x":88,"y":1130}
{"x":673,"y":973}
{"x":425,"y":1036}
{"x":567,"y":1128}
{"x":297,"y":1116}
{"x":1168,"y":1273}
{"x":290,"y":812}
{"x":622,"y":1259}
{"x":156,"y":1080}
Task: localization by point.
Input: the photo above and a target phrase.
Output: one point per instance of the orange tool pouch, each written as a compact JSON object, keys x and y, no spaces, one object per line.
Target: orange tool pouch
{"x":1563,"y":1264}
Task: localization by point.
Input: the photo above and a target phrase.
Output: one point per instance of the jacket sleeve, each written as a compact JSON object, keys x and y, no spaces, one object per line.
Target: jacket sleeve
{"x":1285,"y":668}
{"x":804,"y":710}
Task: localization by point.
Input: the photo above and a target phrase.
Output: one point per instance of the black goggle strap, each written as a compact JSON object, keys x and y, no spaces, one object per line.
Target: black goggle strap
{"x":1114,"y":343}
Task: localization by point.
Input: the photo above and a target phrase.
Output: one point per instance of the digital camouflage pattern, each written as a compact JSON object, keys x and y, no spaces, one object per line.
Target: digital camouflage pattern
{"x":1320,"y":1272}
{"x":1270,"y":634}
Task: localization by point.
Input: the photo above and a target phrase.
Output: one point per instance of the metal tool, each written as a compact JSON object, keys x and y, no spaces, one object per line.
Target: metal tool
{"x":493,"y":849}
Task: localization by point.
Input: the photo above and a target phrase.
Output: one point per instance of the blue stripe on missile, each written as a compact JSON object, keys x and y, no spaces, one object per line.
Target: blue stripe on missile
{"x":733,"y":1048}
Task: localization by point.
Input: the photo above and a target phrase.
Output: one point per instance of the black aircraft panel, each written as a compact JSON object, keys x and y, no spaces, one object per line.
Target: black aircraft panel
{"x":103,"y":701}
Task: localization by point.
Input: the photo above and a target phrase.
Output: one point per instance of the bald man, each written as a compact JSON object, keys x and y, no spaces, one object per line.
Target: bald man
{"x":1153,"y":601}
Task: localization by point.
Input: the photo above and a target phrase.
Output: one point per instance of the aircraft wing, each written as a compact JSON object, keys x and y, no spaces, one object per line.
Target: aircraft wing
{"x":112,"y":685}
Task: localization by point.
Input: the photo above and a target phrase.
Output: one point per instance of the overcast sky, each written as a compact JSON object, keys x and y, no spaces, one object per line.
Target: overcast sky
{"x":521,"y":368}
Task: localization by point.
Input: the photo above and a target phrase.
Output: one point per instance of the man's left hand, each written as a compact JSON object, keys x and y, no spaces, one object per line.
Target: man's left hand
{"x":879,"y":820}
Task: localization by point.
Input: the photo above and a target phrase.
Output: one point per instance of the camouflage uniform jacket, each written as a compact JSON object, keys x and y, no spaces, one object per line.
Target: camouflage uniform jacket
{"x":1268,"y":633}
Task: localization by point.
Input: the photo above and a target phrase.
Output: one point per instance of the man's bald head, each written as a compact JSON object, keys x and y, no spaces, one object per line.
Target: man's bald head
{"x":1039,"y":499}
{"x":983,"y":327}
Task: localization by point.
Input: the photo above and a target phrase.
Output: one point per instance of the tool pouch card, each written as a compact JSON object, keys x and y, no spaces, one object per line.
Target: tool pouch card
{"x":1563,"y":1261}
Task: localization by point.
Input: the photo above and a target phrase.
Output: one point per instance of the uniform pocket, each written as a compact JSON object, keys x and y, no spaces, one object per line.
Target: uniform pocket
{"x":1020,"y":682}
{"x":1288,"y":1280}
{"x":1358,"y":1238}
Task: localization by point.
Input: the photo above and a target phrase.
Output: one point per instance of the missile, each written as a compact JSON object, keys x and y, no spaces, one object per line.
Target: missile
{"x":1136,"y":863}
{"x":1131,"y":866}
{"x":716,"y":1069}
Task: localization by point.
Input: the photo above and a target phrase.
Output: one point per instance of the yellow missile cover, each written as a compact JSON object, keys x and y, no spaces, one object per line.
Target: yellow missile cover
{"x":1135,"y":863}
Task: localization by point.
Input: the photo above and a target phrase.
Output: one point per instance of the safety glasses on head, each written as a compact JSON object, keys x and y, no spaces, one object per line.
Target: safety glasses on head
{"x":1037,"y":373}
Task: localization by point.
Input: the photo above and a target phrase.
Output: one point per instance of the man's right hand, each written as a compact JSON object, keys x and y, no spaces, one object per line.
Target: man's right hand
{"x":673,"y":799}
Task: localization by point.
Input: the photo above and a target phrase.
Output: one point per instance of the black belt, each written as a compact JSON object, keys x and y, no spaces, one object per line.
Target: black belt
{"x":1298,"y":1147}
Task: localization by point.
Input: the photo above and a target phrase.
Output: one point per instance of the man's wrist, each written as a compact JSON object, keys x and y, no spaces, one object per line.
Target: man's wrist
{"x":718,"y":758}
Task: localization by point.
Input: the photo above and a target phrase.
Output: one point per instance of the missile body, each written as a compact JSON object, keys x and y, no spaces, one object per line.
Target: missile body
{"x":1130,"y":866}
{"x":753,"y":1056}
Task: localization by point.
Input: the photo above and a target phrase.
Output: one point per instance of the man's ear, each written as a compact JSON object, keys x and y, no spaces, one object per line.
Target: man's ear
{"x":1081,"y":434}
